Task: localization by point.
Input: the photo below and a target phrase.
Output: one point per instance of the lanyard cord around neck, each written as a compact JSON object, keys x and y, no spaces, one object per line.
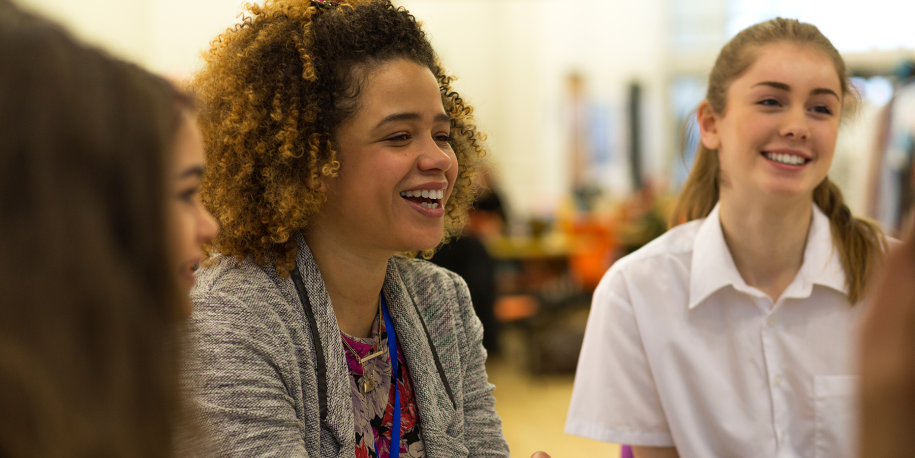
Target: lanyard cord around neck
{"x":392,"y":351}
{"x":322,"y":365}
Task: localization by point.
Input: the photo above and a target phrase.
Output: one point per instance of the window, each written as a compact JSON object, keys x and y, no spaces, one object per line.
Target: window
{"x":852,"y":26}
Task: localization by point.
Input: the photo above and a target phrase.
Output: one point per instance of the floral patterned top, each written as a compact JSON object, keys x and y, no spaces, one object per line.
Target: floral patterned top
{"x":374,"y":411}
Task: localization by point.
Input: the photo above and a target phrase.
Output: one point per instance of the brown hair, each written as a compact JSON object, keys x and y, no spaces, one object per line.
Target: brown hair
{"x":860,"y":243}
{"x":274,"y":90}
{"x":88,"y":366}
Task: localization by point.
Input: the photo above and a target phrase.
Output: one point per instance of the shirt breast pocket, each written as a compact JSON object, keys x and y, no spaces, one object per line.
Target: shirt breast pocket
{"x":836,"y":406}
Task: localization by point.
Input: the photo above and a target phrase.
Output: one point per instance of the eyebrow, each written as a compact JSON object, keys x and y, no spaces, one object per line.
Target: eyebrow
{"x":441,"y":117}
{"x":786,"y":88}
{"x":196,"y":171}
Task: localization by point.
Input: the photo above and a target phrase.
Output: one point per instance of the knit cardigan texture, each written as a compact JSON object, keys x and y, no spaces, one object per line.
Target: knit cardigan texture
{"x":254,"y":379}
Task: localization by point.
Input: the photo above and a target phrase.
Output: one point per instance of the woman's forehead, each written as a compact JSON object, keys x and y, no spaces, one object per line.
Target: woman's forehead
{"x":401,"y":89}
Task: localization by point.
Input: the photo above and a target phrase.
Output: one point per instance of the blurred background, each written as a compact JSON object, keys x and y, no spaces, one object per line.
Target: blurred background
{"x":588,"y":107}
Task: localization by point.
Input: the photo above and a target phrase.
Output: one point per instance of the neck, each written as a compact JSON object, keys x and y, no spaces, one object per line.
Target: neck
{"x":353,"y":279}
{"x":767,"y":242}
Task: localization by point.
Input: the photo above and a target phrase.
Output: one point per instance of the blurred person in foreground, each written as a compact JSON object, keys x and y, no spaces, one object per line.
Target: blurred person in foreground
{"x":733,"y":333}
{"x":334,"y":144}
{"x":887,"y":361}
{"x":99,"y":226}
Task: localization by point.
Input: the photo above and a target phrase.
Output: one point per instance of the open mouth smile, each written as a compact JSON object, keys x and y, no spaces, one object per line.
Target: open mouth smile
{"x":428,"y":198}
{"x":786,"y":158}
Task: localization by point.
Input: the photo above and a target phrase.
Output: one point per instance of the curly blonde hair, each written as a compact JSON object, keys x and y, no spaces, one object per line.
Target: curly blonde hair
{"x":273,"y":91}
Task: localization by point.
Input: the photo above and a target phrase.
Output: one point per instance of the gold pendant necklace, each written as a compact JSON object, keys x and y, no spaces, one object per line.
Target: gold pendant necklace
{"x":368,"y":378}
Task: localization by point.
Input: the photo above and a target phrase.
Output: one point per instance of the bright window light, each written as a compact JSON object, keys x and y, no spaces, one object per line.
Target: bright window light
{"x":852,"y":26}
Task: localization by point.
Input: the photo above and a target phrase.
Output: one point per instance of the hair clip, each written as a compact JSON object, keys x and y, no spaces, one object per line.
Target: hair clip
{"x":324,"y":3}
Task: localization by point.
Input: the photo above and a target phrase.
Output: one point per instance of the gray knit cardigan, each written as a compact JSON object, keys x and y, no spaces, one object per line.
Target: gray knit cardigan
{"x":255,"y":374}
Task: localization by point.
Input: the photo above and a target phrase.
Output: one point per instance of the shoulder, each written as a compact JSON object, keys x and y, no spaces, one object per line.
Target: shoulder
{"x":227,"y":273}
{"x":673,"y":248}
{"x":231,"y":290}
{"x":426,"y":278}
{"x":441,"y":296}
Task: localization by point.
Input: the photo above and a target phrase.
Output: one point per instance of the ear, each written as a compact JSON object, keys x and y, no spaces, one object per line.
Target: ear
{"x":318,"y":185}
{"x":708,"y":125}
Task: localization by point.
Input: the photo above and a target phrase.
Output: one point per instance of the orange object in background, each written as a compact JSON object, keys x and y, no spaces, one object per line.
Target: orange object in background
{"x":592,"y":243}
{"x":515,"y":307}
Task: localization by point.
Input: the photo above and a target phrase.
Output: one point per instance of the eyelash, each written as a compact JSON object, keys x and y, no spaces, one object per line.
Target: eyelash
{"x":405,"y":137}
{"x":824,"y":107}
{"x":187,"y":196}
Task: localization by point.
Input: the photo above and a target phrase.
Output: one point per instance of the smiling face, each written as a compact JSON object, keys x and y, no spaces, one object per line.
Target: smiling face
{"x":191,"y":224}
{"x":397,"y":167}
{"x":777,"y":136}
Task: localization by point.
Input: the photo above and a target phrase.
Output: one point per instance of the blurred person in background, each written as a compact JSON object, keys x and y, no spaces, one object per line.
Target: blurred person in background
{"x":732,"y":334}
{"x":99,"y":223}
{"x":334,"y":142}
{"x":467,"y":256}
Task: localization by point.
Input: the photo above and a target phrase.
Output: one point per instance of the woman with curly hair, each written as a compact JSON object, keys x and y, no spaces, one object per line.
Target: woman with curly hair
{"x":335,"y":143}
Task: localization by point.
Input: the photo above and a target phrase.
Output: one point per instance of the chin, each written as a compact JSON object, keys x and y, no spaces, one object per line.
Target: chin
{"x":783,"y":189}
{"x":421,"y":238}
{"x":420,"y":245}
{"x":420,"y":248}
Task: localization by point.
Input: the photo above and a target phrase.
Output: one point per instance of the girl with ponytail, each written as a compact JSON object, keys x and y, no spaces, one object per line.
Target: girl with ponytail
{"x":731,"y":334}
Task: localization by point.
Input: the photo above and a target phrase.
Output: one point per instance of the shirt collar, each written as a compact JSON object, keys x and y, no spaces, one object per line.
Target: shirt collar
{"x":822,"y":265}
{"x":713,"y":268}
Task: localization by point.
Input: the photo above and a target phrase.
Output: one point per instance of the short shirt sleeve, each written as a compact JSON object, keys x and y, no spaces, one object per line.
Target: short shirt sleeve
{"x":615,"y":398}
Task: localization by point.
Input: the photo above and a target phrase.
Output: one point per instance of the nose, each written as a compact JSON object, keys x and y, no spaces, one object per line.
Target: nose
{"x":795,"y":124}
{"x":434,"y":156}
{"x":207,"y":226}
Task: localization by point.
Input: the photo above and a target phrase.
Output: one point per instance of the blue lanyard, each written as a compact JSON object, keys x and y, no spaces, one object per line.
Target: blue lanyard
{"x":392,"y":350}
{"x":321,"y":364}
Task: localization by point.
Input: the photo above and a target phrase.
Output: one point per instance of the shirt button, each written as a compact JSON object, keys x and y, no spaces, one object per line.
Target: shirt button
{"x":777,"y":380}
{"x":771,"y":321}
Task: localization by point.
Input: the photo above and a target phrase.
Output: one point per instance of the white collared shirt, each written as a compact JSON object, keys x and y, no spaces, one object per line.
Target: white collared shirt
{"x":680,"y":351}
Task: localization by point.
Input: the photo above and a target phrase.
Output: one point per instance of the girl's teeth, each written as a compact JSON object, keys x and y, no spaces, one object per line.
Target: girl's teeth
{"x":786,"y":158}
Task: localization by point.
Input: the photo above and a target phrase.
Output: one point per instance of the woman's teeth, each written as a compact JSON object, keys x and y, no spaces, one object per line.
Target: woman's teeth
{"x":431,"y":194}
{"x":789,"y":159}
{"x":427,"y":193}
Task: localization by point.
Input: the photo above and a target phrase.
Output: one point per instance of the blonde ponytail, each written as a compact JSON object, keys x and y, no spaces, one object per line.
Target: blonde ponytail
{"x":700,"y":191}
{"x":860,"y":243}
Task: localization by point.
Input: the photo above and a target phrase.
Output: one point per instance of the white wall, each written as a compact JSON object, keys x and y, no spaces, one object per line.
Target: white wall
{"x":165,"y":36}
{"x":511,"y":57}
